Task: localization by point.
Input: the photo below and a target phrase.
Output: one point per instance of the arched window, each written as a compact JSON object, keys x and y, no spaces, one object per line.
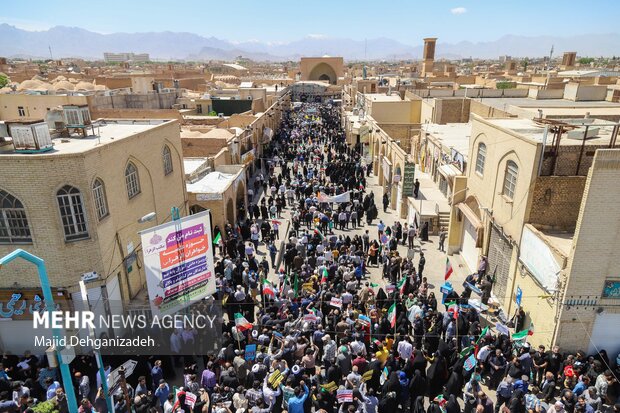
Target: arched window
{"x":131,"y":180}
{"x":14,"y":227}
{"x":510,"y":179}
{"x":481,"y":157}
{"x":72,"y":213}
{"x":101,"y":204}
{"x":167,"y":160}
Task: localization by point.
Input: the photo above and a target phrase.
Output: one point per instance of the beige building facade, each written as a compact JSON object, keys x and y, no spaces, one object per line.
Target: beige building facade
{"x":80,"y":203}
{"x":527,"y":212}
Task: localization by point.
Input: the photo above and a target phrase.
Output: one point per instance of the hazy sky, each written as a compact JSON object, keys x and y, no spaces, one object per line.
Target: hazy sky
{"x":281,"y":21}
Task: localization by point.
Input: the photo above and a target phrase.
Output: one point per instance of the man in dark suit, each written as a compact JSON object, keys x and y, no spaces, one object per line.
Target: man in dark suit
{"x":547,"y":388}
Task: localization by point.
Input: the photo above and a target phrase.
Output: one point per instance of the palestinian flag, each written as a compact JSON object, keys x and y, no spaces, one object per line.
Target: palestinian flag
{"x":324,"y":276}
{"x":402,"y":284}
{"x":448,"y":269}
{"x":217,"y":238}
{"x":392,"y":315}
{"x":268,"y":288}
{"x":241,"y":323}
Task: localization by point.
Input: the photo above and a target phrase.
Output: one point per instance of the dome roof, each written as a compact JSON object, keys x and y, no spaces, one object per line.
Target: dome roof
{"x":63,"y":85}
{"x":84,"y":86}
{"x":59,"y":78}
{"x":6,"y":90}
{"x":34,"y":85}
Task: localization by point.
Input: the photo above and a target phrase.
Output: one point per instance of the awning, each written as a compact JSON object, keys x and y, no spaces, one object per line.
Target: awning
{"x":470,"y":215}
{"x":474,"y":220}
{"x":449,"y":171}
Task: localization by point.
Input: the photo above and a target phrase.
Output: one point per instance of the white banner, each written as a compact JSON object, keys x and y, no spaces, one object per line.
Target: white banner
{"x":539,"y":260}
{"x":344,"y":197}
{"x":178,"y":259}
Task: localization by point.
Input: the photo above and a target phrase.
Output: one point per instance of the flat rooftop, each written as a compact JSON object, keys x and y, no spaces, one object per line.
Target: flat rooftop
{"x":502,"y":103}
{"x":451,"y":135}
{"x":529,"y":129}
{"x":190,"y":165}
{"x":106,"y":133}
{"x":381,"y":97}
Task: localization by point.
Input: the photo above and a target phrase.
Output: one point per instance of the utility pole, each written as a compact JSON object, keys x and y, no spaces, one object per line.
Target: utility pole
{"x":50,"y":47}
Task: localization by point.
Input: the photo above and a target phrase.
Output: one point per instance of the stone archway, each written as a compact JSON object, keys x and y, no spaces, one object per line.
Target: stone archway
{"x":323,"y":71}
{"x":230,"y":211}
{"x":240,"y":199}
{"x":194,"y":209}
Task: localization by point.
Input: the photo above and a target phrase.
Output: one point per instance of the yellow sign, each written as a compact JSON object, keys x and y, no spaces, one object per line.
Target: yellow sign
{"x":276,"y":378}
{"x":329,"y":387}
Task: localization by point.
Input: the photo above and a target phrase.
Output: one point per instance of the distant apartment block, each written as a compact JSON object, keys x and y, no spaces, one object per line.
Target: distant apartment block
{"x":126,"y":57}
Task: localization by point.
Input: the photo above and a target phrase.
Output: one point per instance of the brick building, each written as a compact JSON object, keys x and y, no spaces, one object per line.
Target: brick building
{"x":79,"y":204}
{"x":525,"y":202}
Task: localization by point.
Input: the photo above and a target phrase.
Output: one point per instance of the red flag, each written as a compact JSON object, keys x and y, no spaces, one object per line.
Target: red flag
{"x":448,"y":269}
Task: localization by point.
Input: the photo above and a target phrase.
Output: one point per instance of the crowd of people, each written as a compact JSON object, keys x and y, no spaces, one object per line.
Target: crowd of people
{"x":308,"y":329}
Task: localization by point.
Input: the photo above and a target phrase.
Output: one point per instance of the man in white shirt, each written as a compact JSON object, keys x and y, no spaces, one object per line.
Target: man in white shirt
{"x":405,"y":349}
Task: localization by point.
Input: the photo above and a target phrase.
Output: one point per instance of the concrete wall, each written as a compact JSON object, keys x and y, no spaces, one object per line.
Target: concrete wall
{"x":578,"y":92}
{"x":556,"y":201}
{"x":487,"y":111}
{"x":133,"y":101}
{"x":595,"y":254}
{"x":136,"y":114}
{"x":546,"y":93}
{"x":35,"y":106}
{"x":471,"y":93}
{"x":406,"y":111}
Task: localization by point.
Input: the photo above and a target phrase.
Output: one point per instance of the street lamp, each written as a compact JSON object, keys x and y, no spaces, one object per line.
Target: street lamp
{"x":49,"y":306}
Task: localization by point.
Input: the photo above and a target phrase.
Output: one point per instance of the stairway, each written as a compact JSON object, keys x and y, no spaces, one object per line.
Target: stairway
{"x":444,"y":219}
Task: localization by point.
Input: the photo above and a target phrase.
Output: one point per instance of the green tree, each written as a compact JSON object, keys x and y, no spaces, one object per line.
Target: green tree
{"x":505,"y":85}
{"x":586,"y":60}
{"x":45,"y":407}
{"x":213,"y":113}
{"x":524,"y":63}
{"x":4,"y":80}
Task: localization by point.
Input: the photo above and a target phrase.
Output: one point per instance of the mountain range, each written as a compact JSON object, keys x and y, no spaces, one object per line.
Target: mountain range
{"x":77,"y":42}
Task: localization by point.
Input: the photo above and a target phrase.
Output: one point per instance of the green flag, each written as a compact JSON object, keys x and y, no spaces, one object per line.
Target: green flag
{"x":465,"y":351}
{"x":217,"y":238}
{"x":296,"y":285}
{"x":521,"y":334}
{"x":484,"y":333}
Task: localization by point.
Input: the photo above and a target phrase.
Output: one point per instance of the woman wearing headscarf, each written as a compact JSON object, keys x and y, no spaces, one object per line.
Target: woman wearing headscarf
{"x":419,"y":363}
{"x":418,"y":405}
{"x":417,"y":387}
{"x":452,"y":406}
{"x":436,"y":376}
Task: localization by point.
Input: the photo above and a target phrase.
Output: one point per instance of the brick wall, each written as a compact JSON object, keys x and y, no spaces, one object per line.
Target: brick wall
{"x":594,"y":259}
{"x":197,"y":147}
{"x":452,"y":111}
{"x":556,"y":201}
{"x":567,"y":159}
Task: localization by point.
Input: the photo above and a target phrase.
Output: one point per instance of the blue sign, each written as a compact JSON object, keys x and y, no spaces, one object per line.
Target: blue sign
{"x":611,"y":289}
{"x":519,"y":296}
{"x":250,"y":352}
